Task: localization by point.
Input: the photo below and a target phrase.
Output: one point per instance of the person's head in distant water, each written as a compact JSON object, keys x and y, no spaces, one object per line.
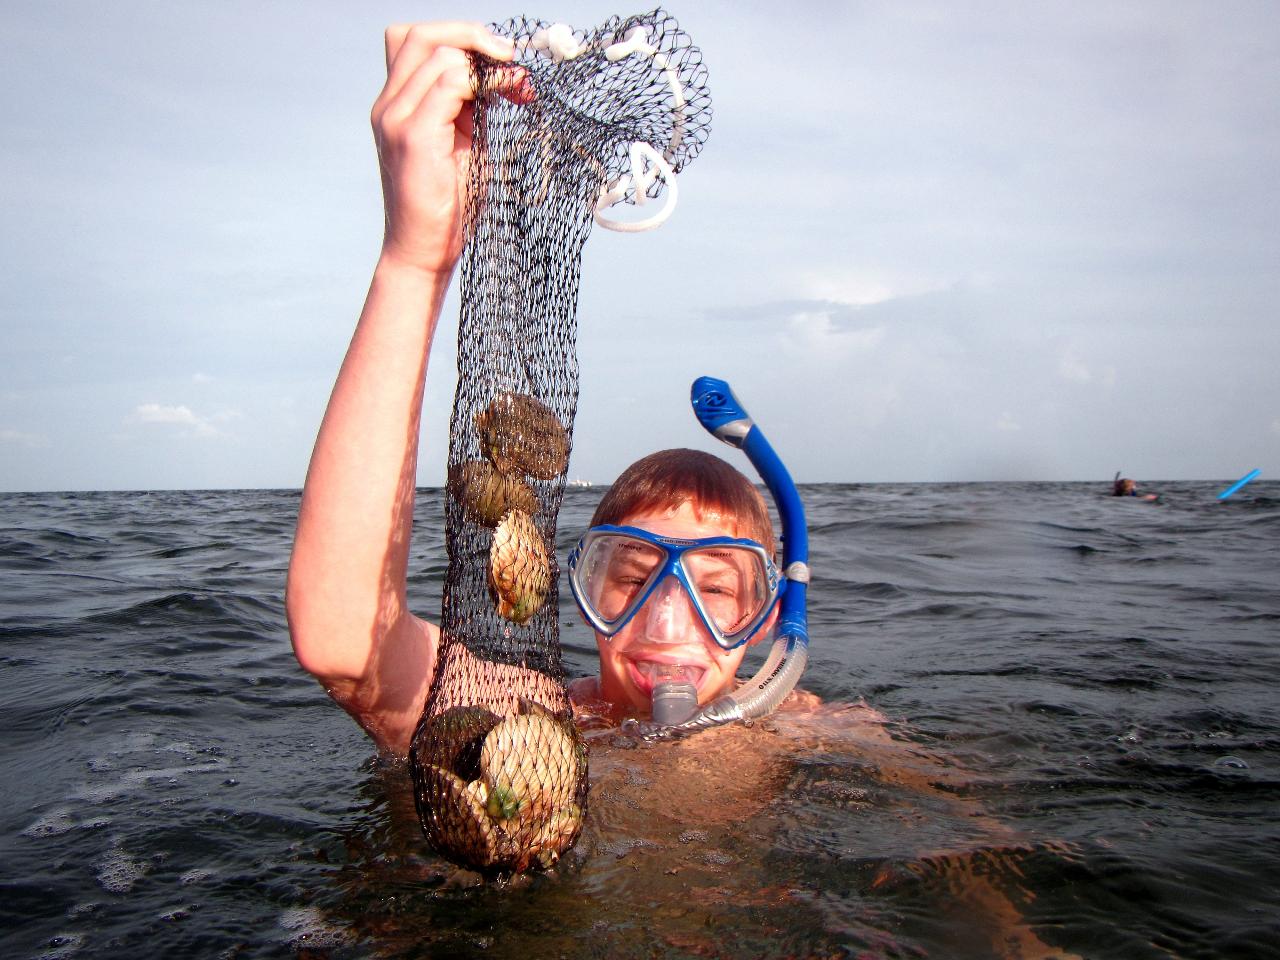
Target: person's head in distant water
{"x":1124,"y":487}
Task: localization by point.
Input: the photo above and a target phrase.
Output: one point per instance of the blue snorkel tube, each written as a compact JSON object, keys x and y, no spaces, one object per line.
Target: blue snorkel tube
{"x":724,"y":417}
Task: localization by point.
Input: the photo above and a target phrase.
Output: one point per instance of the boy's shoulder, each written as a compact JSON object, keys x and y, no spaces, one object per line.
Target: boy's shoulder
{"x":584,"y":690}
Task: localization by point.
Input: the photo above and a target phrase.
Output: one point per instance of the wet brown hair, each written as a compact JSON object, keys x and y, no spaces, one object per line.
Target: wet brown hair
{"x":668,"y":478}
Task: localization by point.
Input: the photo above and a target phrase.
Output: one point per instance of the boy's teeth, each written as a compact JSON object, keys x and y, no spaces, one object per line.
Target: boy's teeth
{"x":670,"y":672}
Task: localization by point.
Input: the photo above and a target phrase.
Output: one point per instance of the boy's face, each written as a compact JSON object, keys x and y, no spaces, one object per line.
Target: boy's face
{"x":667,"y":629}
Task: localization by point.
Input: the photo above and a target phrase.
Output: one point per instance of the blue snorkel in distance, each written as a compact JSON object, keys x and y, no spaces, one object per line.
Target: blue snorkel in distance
{"x":724,"y":417}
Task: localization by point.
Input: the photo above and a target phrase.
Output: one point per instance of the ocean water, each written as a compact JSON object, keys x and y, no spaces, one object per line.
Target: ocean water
{"x":1070,"y":745}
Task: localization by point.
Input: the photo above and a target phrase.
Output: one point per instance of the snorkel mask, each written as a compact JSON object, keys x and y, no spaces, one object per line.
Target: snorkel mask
{"x":731,"y":583}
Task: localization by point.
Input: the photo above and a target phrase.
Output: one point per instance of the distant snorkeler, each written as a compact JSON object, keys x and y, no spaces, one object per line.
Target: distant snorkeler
{"x":1127,"y":487}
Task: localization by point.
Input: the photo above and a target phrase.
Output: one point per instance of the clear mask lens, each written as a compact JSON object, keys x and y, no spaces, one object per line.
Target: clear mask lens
{"x":615,"y":571}
{"x":730,"y":584}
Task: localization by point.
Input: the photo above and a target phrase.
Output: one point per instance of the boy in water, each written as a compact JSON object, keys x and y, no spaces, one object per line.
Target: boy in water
{"x":346,"y":594}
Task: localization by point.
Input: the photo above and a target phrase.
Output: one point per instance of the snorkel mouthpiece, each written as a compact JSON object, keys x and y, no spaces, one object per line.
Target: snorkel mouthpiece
{"x":675,"y":693}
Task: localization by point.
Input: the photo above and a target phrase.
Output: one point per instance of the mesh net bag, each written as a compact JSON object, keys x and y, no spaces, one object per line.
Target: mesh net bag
{"x":499,"y":769}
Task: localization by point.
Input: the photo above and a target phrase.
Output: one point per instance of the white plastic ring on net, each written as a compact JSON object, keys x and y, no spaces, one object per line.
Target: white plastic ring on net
{"x":559,"y":43}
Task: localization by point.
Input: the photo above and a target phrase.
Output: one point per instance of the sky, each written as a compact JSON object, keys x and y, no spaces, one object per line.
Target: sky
{"x":925,"y":241}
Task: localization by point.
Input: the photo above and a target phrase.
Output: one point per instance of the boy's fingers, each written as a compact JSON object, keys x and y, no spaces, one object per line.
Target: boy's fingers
{"x":420,"y":55}
{"x":394,"y":37}
{"x":418,"y":86}
{"x":425,"y":83}
{"x":511,"y":82}
{"x":449,"y":91}
{"x":409,"y":46}
{"x":463,"y":35}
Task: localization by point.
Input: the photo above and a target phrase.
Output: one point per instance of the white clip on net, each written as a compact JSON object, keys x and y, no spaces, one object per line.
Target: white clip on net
{"x":559,"y":43}
{"x":642,"y":177}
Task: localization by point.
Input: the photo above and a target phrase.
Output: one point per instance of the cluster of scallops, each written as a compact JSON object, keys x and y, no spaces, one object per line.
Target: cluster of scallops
{"x":521,"y":437}
{"x":505,"y":792}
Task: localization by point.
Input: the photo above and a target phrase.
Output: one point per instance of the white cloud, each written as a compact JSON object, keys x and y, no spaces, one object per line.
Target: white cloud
{"x":201,"y":378}
{"x":864,"y":289}
{"x":1275,"y":426}
{"x":1007,"y":424}
{"x":1073,"y":369}
{"x":813,"y":333}
{"x":22,"y":438}
{"x":176,"y":414}
{"x":854,"y":290}
{"x":164,"y":413}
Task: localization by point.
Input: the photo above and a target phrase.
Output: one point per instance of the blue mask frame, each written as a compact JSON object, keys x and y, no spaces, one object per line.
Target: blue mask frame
{"x":671,"y":565}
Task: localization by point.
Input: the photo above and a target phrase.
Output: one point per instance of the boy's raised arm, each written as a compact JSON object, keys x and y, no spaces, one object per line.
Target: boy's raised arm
{"x":347,"y":576}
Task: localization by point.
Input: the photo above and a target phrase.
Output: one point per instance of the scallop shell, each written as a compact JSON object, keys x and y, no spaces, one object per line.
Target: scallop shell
{"x":486,"y":494}
{"x":528,"y":707}
{"x":452,"y":739}
{"x":531,"y":763}
{"x":519,"y":569}
{"x":557,"y":834}
{"x":522,"y":435}
{"x":459,"y":823}
{"x":522,"y":809}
